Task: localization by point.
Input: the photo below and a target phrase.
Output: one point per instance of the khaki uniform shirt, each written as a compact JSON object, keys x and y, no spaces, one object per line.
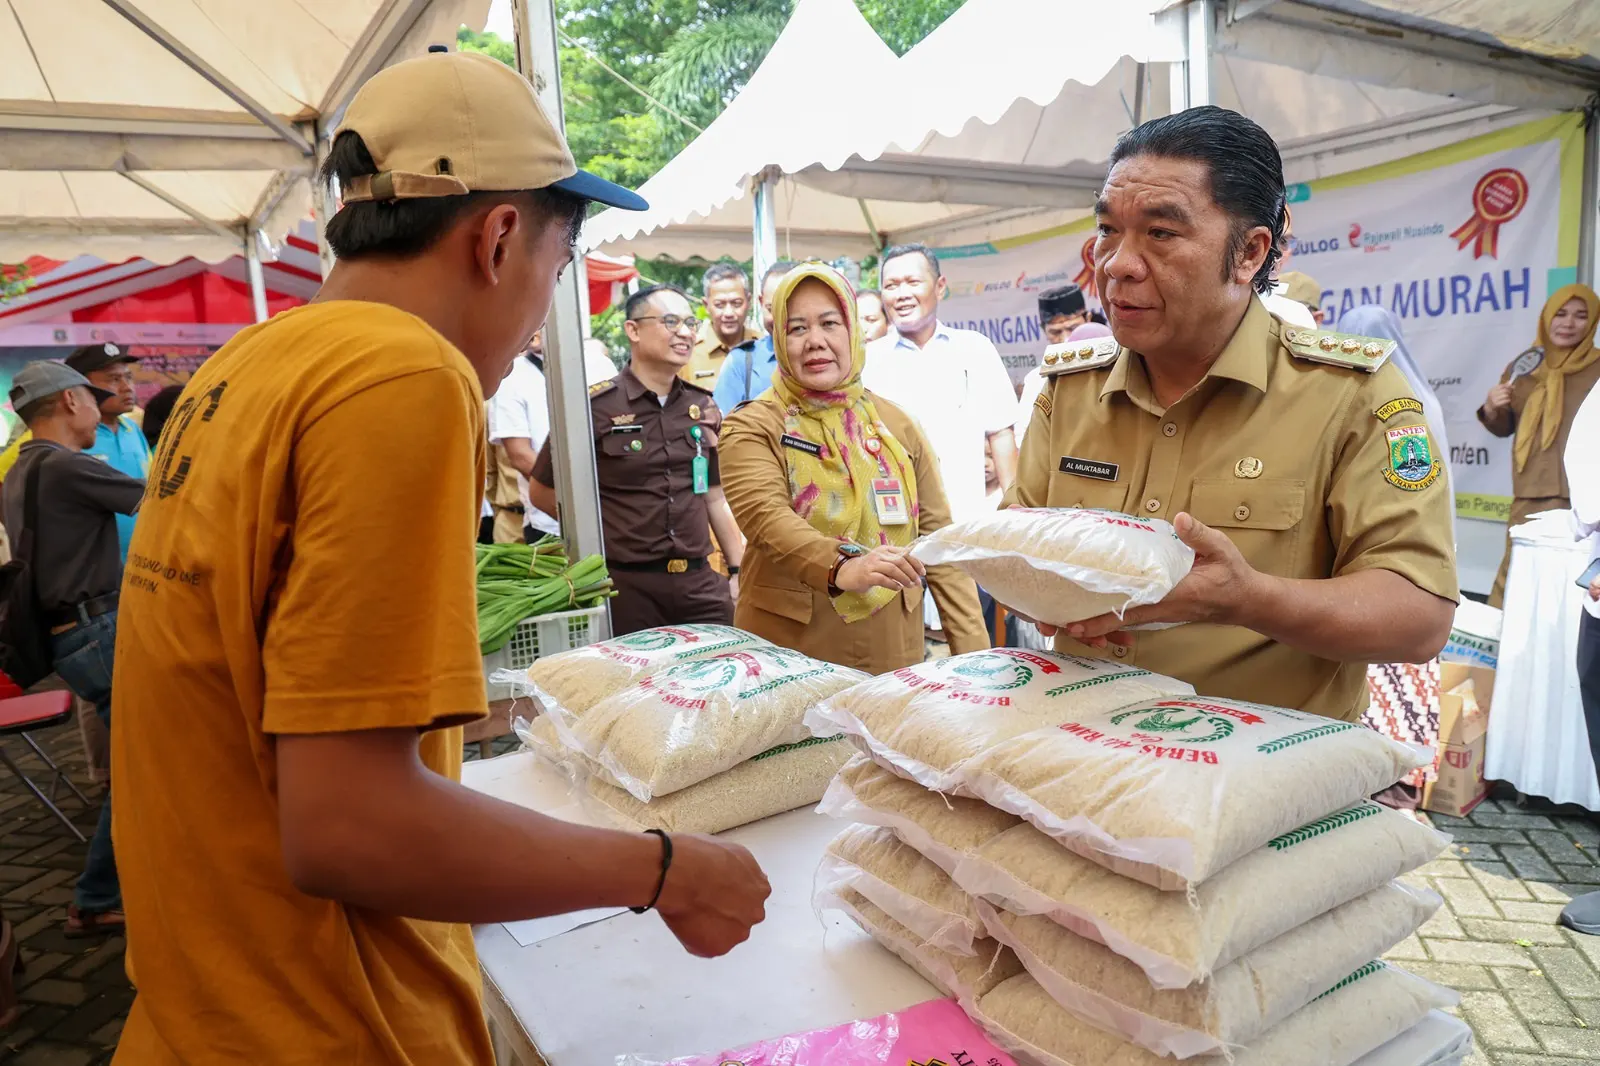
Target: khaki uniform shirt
{"x":644,"y":455}
{"x":783,"y":591}
{"x":709,"y":354}
{"x":1290,"y":458}
{"x":1545,"y":475}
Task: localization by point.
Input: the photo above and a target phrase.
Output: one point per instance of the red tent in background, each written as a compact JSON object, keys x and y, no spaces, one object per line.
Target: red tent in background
{"x":88,"y":290}
{"x":605,"y":274}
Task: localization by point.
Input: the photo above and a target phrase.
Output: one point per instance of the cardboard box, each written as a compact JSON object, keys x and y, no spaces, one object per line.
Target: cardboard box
{"x":1454,"y":675}
{"x":1458,"y":785}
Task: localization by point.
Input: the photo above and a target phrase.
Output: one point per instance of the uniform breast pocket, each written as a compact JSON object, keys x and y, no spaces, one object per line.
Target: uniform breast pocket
{"x":621,"y":457}
{"x":1259,"y":516}
{"x":1081,"y":490}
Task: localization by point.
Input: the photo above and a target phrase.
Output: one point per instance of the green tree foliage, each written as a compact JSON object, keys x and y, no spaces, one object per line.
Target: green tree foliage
{"x":692,"y":56}
{"x":15,"y":280}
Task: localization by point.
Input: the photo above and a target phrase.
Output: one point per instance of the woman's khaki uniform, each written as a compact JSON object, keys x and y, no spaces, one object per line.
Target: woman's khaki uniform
{"x":783,"y":585}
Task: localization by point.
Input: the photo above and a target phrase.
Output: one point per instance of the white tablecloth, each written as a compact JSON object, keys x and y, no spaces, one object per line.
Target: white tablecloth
{"x":1537,"y":739}
{"x":625,"y":985}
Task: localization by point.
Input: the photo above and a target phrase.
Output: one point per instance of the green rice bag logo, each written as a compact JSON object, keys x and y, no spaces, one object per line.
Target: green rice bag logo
{"x":998,"y":671}
{"x":1186,"y":722}
{"x":656,"y":639}
{"x":701,"y":675}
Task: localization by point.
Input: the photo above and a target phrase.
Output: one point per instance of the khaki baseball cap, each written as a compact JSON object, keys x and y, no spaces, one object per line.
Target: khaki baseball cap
{"x":450,"y":123}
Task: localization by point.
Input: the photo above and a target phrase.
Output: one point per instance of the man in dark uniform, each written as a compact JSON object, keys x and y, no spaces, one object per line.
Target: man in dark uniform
{"x":655,"y":446}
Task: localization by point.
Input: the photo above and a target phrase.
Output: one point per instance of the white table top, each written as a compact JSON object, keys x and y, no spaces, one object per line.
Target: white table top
{"x":625,"y":985}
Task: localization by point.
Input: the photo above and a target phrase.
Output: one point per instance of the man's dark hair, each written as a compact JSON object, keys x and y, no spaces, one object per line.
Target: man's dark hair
{"x":898,"y":250}
{"x":640,"y":301}
{"x":778,"y":269}
{"x":408,"y":227}
{"x":1246,"y":172}
{"x":158,"y":410}
{"x":724,"y":272}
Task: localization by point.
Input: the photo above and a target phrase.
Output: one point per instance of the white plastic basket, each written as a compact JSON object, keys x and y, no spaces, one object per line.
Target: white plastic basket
{"x":544,"y":635}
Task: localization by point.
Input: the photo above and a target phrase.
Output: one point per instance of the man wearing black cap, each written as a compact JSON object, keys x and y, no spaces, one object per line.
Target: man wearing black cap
{"x":117,"y":439}
{"x":77,"y":571}
{"x":1061,"y":311}
{"x":300,"y":644}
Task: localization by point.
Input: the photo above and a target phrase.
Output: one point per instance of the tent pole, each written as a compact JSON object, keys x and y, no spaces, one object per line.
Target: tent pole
{"x":258,"y":283}
{"x":1199,"y":67}
{"x":322,"y":203}
{"x":764,"y":188}
{"x":571,"y":442}
{"x":1589,"y":218}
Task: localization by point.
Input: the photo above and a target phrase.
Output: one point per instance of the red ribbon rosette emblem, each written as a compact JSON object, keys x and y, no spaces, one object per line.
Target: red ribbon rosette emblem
{"x":1085,"y":278}
{"x":1499,"y":197}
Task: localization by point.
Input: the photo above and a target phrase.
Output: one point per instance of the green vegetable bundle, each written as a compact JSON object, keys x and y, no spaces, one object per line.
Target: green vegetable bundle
{"x":518,"y":581}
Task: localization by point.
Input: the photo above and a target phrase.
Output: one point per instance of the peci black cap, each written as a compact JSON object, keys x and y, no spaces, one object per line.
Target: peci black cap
{"x":1066,"y":300}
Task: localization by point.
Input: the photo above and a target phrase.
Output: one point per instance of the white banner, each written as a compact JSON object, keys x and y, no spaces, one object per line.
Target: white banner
{"x":996,"y":292}
{"x":1462,"y":254}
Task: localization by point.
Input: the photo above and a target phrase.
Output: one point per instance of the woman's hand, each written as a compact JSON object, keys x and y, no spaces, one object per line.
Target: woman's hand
{"x":884,"y":567}
{"x":1594,"y":589}
{"x":1499,"y":398}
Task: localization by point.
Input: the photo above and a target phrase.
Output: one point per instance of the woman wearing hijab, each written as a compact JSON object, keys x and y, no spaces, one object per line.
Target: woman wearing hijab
{"x":831,"y":485}
{"x":1537,"y":399}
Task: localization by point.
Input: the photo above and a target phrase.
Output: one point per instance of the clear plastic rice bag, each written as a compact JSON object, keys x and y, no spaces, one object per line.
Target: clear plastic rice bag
{"x":1065,"y":564}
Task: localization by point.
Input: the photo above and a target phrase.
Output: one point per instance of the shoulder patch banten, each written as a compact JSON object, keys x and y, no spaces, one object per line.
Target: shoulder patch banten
{"x":1338,"y":349}
{"x":600,"y":388}
{"x":1396,"y":405}
{"x":1069,"y":358}
{"x":1412,"y":464}
{"x":1044,"y":404}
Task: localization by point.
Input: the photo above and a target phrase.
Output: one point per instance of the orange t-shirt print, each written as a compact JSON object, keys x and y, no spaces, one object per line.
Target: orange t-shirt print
{"x":303,"y":563}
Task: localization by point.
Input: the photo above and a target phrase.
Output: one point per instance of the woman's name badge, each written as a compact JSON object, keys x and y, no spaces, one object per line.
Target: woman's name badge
{"x":889,"y":498}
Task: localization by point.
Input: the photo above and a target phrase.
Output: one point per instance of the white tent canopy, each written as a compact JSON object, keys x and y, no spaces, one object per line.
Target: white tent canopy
{"x":811,"y":83}
{"x":1340,"y":84}
{"x":172,"y":128}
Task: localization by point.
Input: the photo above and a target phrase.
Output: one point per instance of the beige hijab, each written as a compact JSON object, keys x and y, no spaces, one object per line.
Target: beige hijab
{"x":1541,"y":415}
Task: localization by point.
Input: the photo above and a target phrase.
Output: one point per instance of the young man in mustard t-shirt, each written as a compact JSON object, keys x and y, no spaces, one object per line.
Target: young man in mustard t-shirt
{"x":298,"y":631}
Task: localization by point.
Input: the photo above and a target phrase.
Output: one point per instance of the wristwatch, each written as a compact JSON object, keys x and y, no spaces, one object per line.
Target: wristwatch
{"x":846,"y":553}
{"x":733,"y":571}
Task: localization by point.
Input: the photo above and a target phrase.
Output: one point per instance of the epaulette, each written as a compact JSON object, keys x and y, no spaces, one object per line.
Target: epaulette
{"x":600,"y":388}
{"x":697,"y":388}
{"x":1069,"y":358}
{"x":1338,"y":349}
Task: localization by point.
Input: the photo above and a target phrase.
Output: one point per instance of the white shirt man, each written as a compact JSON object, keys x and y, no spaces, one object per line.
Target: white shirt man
{"x":958,"y":390}
{"x":521,"y":409}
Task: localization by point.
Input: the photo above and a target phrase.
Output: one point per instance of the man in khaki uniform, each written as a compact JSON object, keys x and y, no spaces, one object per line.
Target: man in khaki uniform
{"x":726,"y":326}
{"x":1295,"y":462}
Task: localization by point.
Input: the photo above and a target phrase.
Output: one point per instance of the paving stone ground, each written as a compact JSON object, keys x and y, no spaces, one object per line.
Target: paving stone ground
{"x":1530,"y":989}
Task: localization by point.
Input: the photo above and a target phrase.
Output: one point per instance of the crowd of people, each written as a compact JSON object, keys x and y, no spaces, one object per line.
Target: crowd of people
{"x":293,"y":620}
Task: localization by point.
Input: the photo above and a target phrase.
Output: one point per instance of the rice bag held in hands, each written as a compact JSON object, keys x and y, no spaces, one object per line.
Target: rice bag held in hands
{"x":1063,"y":565}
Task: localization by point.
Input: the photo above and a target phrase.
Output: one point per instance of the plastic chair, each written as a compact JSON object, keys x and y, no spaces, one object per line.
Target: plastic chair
{"x":19,"y":716}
